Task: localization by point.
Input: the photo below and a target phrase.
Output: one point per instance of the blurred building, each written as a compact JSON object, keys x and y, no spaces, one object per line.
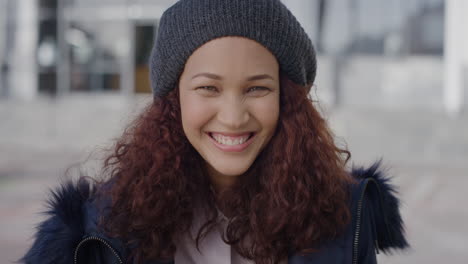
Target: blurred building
{"x":372,"y":52}
{"x":104,"y":45}
{"x":79,"y":45}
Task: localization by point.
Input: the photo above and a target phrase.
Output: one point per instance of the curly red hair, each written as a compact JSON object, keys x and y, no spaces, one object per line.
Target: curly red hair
{"x":293,"y":198}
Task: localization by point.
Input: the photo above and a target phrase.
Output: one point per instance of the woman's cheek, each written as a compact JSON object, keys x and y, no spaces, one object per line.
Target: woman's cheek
{"x":266,"y":110}
{"x":196,"y":112}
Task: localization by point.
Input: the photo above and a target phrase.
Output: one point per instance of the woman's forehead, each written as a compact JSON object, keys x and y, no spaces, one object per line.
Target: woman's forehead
{"x":227,"y":55}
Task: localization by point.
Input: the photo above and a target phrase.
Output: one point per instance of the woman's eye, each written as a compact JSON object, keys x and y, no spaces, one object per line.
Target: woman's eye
{"x":207,"y":91}
{"x":207,"y":88}
{"x":258,"y":88}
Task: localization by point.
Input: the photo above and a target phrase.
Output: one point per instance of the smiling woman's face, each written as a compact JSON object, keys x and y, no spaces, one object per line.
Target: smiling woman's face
{"x":229,"y":99}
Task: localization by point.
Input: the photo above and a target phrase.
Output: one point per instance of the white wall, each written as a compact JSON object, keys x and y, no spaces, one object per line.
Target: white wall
{"x":23,"y":78}
{"x":455,"y":55}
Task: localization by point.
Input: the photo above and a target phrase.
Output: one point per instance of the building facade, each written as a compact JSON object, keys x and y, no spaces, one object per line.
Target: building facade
{"x":369,"y":50}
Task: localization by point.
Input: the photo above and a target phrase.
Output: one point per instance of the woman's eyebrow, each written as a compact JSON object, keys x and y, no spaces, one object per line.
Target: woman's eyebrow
{"x":217,"y":77}
{"x":260,"y":77}
{"x":208,"y":75}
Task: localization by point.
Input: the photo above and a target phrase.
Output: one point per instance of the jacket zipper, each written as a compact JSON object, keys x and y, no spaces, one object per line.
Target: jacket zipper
{"x":114,"y":252}
{"x":358,"y":222}
{"x":358,"y":227}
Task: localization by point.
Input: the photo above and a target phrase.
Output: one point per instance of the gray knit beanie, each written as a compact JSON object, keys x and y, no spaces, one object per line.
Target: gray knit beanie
{"x":189,"y":24}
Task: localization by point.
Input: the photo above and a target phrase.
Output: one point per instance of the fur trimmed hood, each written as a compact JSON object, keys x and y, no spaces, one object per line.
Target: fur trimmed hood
{"x":72,"y":218}
{"x":385,"y":206}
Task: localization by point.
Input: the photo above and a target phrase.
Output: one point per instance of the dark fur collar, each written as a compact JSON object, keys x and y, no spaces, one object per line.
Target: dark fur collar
{"x":382,"y":196}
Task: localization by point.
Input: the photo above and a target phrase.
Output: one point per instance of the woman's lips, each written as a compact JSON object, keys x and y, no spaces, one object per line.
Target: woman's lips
{"x":232,"y":136}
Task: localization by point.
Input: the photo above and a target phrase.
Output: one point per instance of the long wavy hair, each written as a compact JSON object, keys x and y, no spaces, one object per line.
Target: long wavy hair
{"x":294,"y":197}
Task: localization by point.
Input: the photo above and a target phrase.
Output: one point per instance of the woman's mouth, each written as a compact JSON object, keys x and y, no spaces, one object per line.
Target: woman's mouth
{"x":231,"y":142}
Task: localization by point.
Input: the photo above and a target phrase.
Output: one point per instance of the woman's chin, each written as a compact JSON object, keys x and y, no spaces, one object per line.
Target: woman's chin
{"x":231,"y":170}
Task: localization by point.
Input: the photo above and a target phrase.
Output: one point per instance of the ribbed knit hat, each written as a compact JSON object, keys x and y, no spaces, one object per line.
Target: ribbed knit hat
{"x":189,"y":24}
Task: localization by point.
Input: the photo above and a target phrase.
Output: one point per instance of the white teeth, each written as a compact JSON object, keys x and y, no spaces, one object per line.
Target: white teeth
{"x":230,"y":141}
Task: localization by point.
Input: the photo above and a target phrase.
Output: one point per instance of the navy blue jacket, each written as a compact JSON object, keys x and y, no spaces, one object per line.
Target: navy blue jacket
{"x":70,"y":233}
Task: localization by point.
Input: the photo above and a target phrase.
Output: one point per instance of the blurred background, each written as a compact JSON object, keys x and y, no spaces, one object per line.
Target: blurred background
{"x":392,"y":81}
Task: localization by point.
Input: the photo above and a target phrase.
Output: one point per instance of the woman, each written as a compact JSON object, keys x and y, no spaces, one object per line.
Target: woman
{"x":231,"y":163}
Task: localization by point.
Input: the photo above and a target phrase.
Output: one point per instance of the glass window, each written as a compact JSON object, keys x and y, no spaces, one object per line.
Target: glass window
{"x":97,"y":51}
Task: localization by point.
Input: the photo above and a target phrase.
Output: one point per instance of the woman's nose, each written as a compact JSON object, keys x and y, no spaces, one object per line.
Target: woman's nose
{"x":233,"y":113}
